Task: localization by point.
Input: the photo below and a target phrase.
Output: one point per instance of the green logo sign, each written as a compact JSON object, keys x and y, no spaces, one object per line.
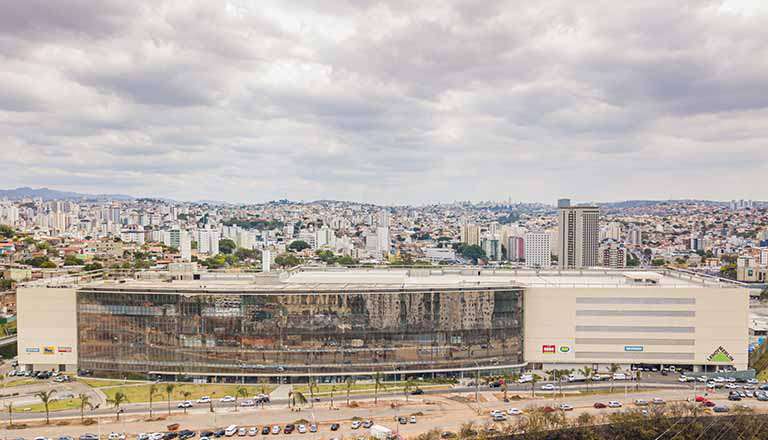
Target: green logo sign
{"x":564,"y":349}
{"x":720,"y":355}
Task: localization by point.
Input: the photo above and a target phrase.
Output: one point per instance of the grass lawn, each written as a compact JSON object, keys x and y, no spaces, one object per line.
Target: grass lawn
{"x":20,"y":382}
{"x":58,"y":405}
{"x":140,"y":393}
{"x":341,"y":388}
{"x":98,"y":383}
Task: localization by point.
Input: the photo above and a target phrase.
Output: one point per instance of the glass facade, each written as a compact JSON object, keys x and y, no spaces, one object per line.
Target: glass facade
{"x":299,"y":332}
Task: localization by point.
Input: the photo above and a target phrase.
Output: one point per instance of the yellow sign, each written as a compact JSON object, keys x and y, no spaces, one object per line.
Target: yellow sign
{"x":49,"y":349}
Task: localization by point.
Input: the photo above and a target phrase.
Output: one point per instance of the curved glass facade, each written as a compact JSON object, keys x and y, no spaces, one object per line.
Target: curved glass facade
{"x":298,"y":333}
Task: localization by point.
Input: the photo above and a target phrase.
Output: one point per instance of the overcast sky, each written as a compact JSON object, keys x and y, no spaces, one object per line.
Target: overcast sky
{"x":388,"y":102}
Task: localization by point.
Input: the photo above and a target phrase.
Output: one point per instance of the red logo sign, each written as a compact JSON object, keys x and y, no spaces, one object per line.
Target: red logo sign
{"x":547,"y":348}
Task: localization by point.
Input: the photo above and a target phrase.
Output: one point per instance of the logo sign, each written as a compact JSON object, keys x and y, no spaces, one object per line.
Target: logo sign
{"x":547,"y":348}
{"x":564,"y":349}
{"x":720,"y":355}
{"x":33,"y":350}
{"x":65,"y":349}
{"x":49,"y":349}
{"x":633,"y":348}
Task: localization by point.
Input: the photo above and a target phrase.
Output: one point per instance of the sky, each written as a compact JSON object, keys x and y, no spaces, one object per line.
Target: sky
{"x":397,"y":102}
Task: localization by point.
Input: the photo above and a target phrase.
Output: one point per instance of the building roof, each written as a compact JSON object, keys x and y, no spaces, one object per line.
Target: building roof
{"x":389,"y":279}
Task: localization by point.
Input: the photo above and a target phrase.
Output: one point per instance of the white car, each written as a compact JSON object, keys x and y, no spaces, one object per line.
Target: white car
{"x":313,"y":428}
{"x":355,"y":424}
{"x":276,"y":429}
{"x":548,"y":387}
{"x":495,"y":412}
{"x":226,"y":399}
{"x":231,"y":430}
{"x":413,"y":419}
{"x":565,"y":407}
{"x":253,"y":431}
{"x":142,"y":436}
{"x":185,"y":404}
{"x":614,"y":404}
{"x":204,"y":399}
{"x":242,"y":431}
{"x":157,"y":436}
{"x":702,"y":379}
{"x":247,"y":402}
{"x":658,"y":401}
{"x":514,"y":412}
{"x":302,"y":429}
{"x":116,"y":436}
{"x":682,"y":379}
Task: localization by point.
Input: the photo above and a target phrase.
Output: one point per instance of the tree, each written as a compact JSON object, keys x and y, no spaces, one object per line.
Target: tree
{"x":242,"y":254}
{"x":346,"y":260}
{"x":534,"y":378}
{"x":71,"y":260}
{"x":118,"y":400}
{"x":587,"y":372}
{"x":333,"y":389}
{"x":169,"y":387}
{"x":226,"y":246}
{"x":7,"y":231}
{"x":728,"y":271}
{"x":296,"y":399}
{"x":9,"y":406}
{"x":287,"y":260}
{"x":240,"y":391}
{"x":85,"y":402}
{"x":377,"y":384}
{"x":93,"y":266}
{"x":186,"y":394}
{"x":472,"y":252}
{"x":312,"y":385}
{"x":298,"y":245}
{"x":350,"y":383}
{"x":45,"y":397}
{"x":764,"y":295}
{"x":152,"y":394}
{"x":614,"y":368}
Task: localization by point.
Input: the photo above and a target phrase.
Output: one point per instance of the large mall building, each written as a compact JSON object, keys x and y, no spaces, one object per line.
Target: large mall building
{"x":342,"y":322}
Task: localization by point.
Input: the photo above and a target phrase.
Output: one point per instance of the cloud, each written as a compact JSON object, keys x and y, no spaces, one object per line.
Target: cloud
{"x":391,"y":102}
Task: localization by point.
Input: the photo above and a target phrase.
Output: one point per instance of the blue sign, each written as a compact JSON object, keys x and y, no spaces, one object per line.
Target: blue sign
{"x":633,"y":348}
{"x":33,"y":350}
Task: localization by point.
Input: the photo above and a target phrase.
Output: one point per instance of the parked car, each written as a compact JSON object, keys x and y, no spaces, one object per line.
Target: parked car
{"x":708,"y":403}
{"x":226,"y":399}
{"x":641,"y":402}
{"x":734,"y":397}
{"x":185,"y":434}
{"x":720,"y":409}
{"x":658,"y":401}
{"x":355,"y":424}
{"x":265,"y":430}
{"x":367,"y":424}
{"x":614,"y":404}
{"x":313,"y":428}
{"x":413,"y":419}
{"x":301,"y":428}
{"x":230,"y":430}
{"x":275,"y":429}
{"x":242,"y":432}
{"x":253,"y":431}
{"x":335,"y":426}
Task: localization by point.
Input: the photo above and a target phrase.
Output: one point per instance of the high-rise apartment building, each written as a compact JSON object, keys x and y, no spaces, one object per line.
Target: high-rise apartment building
{"x":208,"y":241}
{"x":578,"y":234}
{"x":635,"y":236}
{"x":180,"y":240}
{"x":613,"y":254}
{"x":537,"y":250}
{"x":515,"y":248}
{"x":470,"y":234}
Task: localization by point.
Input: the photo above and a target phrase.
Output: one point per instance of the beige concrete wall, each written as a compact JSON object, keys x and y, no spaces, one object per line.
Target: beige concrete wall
{"x":47,"y":323}
{"x":657,"y":331}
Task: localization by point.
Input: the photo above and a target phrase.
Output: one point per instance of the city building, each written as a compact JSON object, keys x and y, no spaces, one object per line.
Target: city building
{"x":613,"y":254}
{"x":208,"y":241}
{"x":180,"y":240}
{"x":515,"y":248}
{"x":578,"y":233}
{"x":356,"y":322}
{"x":538,"y":252}
{"x":470,"y":234}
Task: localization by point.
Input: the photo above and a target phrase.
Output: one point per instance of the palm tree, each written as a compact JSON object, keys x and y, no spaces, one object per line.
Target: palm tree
{"x":408,"y":386}
{"x":563,"y":375}
{"x":117,"y":400}
{"x":85,"y":401}
{"x":333,"y":388}
{"x":169,"y":387}
{"x":9,"y":405}
{"x":637,"y":380}
{"x":350,"y":383}
{"x":45,"y":397}
{"x":587,"y":372}
{"x":296,"y":399}
{"x":377,"y":383}
{"x":186,"y":395}
{"x":312,"y":388}
{"x":152,"y":394}
{"x":240,"y":391}
{"x":534,"y":378}
{"x":614,"y":368}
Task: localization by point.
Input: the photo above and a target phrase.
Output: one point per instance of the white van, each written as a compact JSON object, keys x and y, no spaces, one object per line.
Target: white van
{"x":231,"y":430}
{"x":619,"y":376}
{"x":525,"y":378}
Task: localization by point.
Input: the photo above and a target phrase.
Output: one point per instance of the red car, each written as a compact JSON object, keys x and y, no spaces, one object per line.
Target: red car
{"x":548,"y":409}
{"x":701,"y":399}
{"x":599,"y":405}
{"x":708,"y":403}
